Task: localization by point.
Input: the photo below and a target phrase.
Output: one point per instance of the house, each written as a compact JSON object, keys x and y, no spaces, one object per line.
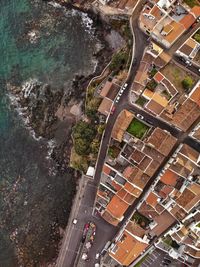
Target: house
{"x":105,"y":106}
{"x":127,"y":249}
{"x":121,"y":124}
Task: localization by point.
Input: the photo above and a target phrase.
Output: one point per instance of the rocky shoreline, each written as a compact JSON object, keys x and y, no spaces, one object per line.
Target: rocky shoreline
{"x":46,"y":113}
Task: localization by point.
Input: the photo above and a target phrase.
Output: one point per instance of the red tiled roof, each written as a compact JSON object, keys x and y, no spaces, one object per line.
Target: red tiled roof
{"x":169,"y":178}
{"x":106,"y":169}
{"x":152,"y":199}
{"x":196,"y":11}
{"x":158,"y":77}
{"x":187,"y":21}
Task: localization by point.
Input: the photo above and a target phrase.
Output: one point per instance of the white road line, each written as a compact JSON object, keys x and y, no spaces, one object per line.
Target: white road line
{"x":149,"y":261}
{"x":145,"y":264}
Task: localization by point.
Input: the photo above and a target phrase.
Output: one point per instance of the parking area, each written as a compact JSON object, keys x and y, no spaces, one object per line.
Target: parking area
{"x":159,"y":258}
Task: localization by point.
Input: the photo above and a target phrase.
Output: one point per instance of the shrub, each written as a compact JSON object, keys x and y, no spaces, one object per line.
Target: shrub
{"x":187,"y":83}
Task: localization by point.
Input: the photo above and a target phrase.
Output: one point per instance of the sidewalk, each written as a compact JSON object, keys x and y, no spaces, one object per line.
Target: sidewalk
{"x":76,"y":204}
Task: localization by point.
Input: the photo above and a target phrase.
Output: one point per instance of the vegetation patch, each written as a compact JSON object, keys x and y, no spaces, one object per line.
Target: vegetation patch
{"x":140,"y":219}
{"x":196,"y":36}
{"x":83,"y":135}
{"x":192,"y":3}
{"x":166,"y":94}
{"x":141,"y":101}
{"x":141,"y":261}
{"x":176,"y":75}
{"x":151,"y":85}
{"x":119,"y":61}
{"x":113,"y":152}
{"x":187,"y":83}
{"x":137,"y":128}
{"x":153,"y":72}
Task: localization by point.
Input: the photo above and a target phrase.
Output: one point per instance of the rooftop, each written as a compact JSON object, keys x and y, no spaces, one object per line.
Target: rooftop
{"x":121,"y":124}
{"x":105,"y":106}
{"x":128,"y":250}
{"x":186,"y":115}
{"x":117,"y":207}
{"x":152,"y":199}
{"x":169,"y":178}
{"x":162,"y":141}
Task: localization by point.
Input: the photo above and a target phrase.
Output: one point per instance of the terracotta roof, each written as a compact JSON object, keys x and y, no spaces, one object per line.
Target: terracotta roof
{"x":128,"y":250}
{"x":152,"y":199}
{"x":137,"y":156}
{"x":178,"y":29}
{"x":154,"y":107}
{"x":164,"y":221}
{"x":106,"y":89}
{"x":169,"y":178}
{"x":144,"y":163}
{"x":162,"y":60}
{"x":160,"y":99}
{"x":121,"y":193}
{"x":129,"y":198}
{"x":137,"y":87}
{"x":187,"y":21}
{"x":147,"y":211}
{"x":121,"y":124}
{"x":116,"y":186}
{"x":106,"y":169}
{"x":128,"y":171}
{"x":109,"y":218}
{"x":195,"y":96}
{"x":132,"y":190}
{"x":156,"y":12}
{"x":196,"y":11}
{"x":158,"y":77}
{"x":189,"y":152}
{"x":105,"y":106}
{"x":135,"y":229}
{"x":186,"y":197}
{"x":162,"y":141}
{"x":117,"y":207}
{"x":186,"y":115}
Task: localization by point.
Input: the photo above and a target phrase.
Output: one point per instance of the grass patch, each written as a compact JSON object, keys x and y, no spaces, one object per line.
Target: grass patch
{"x":176,"y":75}
{"x":196,"y":36}
{"x":198,"y":225}
{"x":78,"y":162}
{"x":192,"y":3}
{"x":137,"y":128}
{"x":141,"y":101}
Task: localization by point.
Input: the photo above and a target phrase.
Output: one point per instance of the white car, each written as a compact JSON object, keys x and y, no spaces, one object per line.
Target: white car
{"x":117,"y":99}
{"x":75,"y":221}
{"x":188,"y":62}
{"x":125,"y":85}
{"x":139,"y":116}
{"x":97,"y":256}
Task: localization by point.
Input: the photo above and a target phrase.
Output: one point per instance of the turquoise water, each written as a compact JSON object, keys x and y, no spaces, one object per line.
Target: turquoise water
{"x":34,"y":203}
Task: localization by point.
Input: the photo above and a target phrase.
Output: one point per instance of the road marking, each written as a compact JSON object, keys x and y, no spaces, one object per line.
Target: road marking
{"x":145,"y":264}
{"x":148,"y":260}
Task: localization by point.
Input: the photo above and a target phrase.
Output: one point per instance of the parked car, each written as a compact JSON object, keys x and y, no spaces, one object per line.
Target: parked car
{"x":125,"y":85}
{"x":117,"y":99}
{"x":75,"y":221}
{"x":139,"y":116}
{"x":97,"y":256}
{"x":188,"y":62}
{"x":112,"y":110}
{"x":198,"y":19}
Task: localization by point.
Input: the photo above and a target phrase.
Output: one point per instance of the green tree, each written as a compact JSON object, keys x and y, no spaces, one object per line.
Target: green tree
{"x":83,"y":134}
{"x":187,"y":83}
{"x":197,"y":37}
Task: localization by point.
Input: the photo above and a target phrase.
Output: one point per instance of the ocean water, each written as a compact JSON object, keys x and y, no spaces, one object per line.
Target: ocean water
{"x":37,"y":41}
